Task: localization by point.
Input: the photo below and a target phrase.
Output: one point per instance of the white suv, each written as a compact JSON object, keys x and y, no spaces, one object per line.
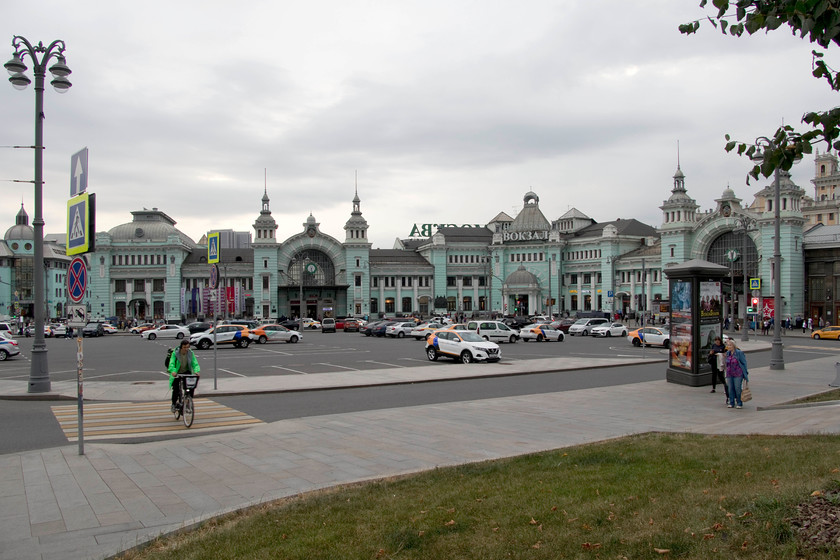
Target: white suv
{"x":463,"y":346}
{"x":584,"y":326}
{"x":493,"y":330}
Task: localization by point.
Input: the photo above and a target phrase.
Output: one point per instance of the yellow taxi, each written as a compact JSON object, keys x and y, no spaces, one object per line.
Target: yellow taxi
{"x":831,"y":333}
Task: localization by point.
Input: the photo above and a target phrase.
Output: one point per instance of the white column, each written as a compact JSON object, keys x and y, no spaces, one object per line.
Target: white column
{"x":398,"y":303}
{"x":633,"y":303}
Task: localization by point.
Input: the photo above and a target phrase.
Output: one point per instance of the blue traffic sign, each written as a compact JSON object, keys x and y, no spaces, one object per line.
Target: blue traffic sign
{"x":79,"y":235}
{"x":77,"y":280}
{"x":78,"y":172}
{"x":214,"y":276}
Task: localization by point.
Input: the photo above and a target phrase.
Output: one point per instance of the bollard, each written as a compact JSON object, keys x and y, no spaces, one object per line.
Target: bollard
{"x":836,"y":382}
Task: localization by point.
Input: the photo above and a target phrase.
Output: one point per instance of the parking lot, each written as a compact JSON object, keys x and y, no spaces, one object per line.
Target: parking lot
{"x":124,"y":357}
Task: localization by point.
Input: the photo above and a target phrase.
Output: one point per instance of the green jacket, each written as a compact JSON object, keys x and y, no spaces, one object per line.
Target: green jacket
{"x":175,"y":364}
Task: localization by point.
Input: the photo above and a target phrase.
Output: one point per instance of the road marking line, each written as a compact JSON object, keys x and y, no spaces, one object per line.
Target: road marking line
{"x":232,"y":372}
{"x":335,"y":365}
{"x":383,"y":364}
{"x":290,"y":369}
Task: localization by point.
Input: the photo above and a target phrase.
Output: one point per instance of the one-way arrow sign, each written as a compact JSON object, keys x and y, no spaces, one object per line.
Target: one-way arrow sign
{"x":78,"y":172}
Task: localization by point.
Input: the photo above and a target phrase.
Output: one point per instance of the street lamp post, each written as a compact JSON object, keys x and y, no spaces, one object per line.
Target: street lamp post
{"x":744,"y":223}
{"x":39,"y":374}
{"x":777,"y":359}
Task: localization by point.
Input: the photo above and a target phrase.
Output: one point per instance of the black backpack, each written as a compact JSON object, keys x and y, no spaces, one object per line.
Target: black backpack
{"x":168,"y":355}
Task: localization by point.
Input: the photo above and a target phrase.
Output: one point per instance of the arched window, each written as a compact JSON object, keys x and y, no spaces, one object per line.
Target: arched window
{"x":730,"y":240}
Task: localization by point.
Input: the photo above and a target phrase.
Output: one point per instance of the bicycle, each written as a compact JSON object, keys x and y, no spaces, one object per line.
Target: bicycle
{"x":184,"y":407}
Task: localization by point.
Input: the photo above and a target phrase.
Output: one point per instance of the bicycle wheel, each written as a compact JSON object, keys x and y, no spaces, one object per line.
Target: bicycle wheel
{"x":189,"y":411}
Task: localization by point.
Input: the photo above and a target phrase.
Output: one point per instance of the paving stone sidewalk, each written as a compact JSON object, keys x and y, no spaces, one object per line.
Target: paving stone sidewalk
{"x":57,"y":504}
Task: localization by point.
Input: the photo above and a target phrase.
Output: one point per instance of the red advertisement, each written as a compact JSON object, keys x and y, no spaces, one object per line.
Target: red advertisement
{"x":768,"y":308}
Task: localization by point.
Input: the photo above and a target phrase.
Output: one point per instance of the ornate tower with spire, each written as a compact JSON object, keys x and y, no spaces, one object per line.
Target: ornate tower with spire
{"x":265,"y":262}
{"x":679,"y":216}
{"x":357,"y":252}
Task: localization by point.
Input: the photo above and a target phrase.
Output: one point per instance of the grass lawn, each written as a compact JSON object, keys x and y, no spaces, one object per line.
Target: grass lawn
{"x":647,"y":496}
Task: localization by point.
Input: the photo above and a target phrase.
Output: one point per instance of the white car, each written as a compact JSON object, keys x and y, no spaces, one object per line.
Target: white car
{"x":109,"y":328}
{"x":422,"y":330}
{"x":400,"y":330}
{"x":8,"y":347}
{"x":610,"y":329}
{"x":464,"y":346}
{"x":493,"y":330}
{"x":165,"y":331}
{"x":237,"y":336}
{"x":584,"y":326}
{"x":59,"y":329}
{"x":275,"y":333}
{"x":310,"y":324}
{"x":541,"y":332}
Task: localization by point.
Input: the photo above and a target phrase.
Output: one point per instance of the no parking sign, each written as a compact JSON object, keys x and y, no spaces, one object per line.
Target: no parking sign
{"x":77,"y":276}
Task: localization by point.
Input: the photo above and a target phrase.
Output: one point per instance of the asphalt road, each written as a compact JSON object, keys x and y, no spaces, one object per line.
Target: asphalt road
{"x":31,"y":424}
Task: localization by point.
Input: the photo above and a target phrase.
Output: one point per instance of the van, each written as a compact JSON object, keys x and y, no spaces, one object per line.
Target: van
{"x":584,"y":326}
{"x":328,"y":325}
{"x":495,"y":331}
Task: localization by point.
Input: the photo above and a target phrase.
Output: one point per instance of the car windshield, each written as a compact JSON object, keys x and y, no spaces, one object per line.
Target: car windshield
{"x":581,"y":321}
{"x":470,"y":337}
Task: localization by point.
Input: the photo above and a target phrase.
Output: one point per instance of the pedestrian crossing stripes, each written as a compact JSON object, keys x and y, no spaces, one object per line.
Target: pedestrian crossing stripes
{"x":126,"y":420}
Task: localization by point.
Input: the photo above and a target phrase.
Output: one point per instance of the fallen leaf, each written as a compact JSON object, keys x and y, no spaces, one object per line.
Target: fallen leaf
{"x":495,"y":529}
{"x":586,"y":527}
{"x":650,"y":522}
{"x":380,"y":553}
{"x":537,"y":545}
{"x":662,"y":550}
{"x":708,"y":536}
{"x":533,"y":521}
{"x":717,"y":526}
{"x":835,"y":470}
{"x":816,"y":493}
{"x":450,"y":510}
{"x":748,"y":474}
{"x":553,"y":508}
{"x":744,"y":545}
{"x":450,"y":522}
{"x":421,"y":533}
{"x":591,"y":546}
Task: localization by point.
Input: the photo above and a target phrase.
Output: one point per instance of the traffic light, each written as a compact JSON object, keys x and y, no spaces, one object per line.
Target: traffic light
{"x":755,"y":302}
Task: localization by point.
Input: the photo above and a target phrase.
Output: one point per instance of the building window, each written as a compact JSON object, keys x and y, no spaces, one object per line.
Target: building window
{"x":139,"y":285}
{"x":357,"y":280}
{"x":265,"y":282}
{"x":406,"y":305}
{"x":374,"y":305}
{"x":450,"y":282}
{"x":467,"y":281}
{"x":467,"y":303}
{"x":375,"y":284}
{"x":157,"y":285}
{"x":119,"y":286}
{"x":389,"y":305}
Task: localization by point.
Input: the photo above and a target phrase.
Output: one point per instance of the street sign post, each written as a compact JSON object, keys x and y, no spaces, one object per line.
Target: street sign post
{"x":213,"y":247}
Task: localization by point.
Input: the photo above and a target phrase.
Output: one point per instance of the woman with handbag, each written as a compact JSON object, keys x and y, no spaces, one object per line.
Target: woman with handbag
{"x":736,"y":373}
{"x":717,"y":361}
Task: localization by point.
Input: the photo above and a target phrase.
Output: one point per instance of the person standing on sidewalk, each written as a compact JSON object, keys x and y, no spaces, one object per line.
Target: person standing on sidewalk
{"x":716,"y":357}
{"x":736,"y":373}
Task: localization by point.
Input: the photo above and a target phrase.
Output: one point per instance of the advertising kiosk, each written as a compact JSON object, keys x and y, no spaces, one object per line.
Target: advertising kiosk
{"x":696,"y":292}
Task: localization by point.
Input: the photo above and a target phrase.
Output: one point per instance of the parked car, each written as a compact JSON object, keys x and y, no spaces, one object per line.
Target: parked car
{"x":141,"y":327}
{"x":229,"y":335}
{"x":290,"y":324}
{"x":423,"y":330}
{"x":380,"y":328}
{"x":107,"y":327}
{"x":563,"y":324}
{"x":464,"y":346}
{"x":249,"y":323}
{"x":328,"y":325}
{"x":351,"y":325}
{"x":493,"y":330}
{"x":166,"y":331}
{"x":400,"y":329}
{"x":308,"y":323}
{"x":367,"y":330}
{"x":584,"y":326}
{"x":29,"y":330}
{"x":59,"y":329}
{"x":541,"y":332}
{"x":94,"y":328}
{"x":8,"y":346}
{"x":831,"y":333}
{"x":610,"y":329}
{"x":274,"y":333}
{"x":339,"y":323}
{"x":199,"y":326}
{"x":650,"y":336}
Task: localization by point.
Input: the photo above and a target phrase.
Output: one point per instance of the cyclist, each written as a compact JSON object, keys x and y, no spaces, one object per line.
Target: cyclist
{"x":183,"y":361}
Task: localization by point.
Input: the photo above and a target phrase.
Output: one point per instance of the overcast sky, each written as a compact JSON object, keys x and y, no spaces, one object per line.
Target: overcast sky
{"x":449,"y":111}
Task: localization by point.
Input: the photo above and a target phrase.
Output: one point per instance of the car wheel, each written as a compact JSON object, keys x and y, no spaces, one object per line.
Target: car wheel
{"x":816,"y":337}
{"x":204,"y":344}
{"x":637,"y":342}
{"x":151,"y":336}
{"x":609,"y":333}
{"x":487,"y":338}
{"x":512,"y":339}
{"x":466,"y":357}
{"x":431,"y":353}
{"x":293,"y":340}
{"x":624,"y":333}
{"x":244,"y":343}
{"x":400,"y":334}
{"x":666,"y":344}
{"x":540,"y":338}
{"x":179,"y":336}
{"x":263,"y":339}
{"x":3,"y":355}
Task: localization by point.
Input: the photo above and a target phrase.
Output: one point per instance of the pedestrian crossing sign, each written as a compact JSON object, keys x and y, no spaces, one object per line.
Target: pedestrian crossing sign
{"x":80,"y":224}
{"x":213,"y":247}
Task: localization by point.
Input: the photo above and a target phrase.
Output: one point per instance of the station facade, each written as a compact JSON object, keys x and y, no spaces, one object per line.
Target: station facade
{"x":147,"y":269}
